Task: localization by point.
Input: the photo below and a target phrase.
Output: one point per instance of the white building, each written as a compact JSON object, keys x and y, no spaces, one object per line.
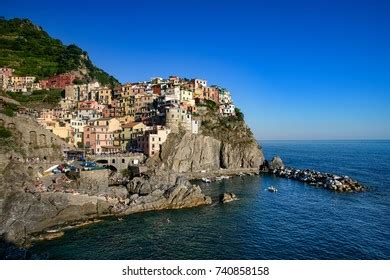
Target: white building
{"x":224,"y":96}
{"x":78,"y":130}
{"x":89,"y":114}
{"x":198,"y":83}
{"x":227,"y":109}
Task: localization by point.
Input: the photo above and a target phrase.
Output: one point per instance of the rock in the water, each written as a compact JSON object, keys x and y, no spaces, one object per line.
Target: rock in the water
{"x":227,"y":197}
{"x":276,"y":163}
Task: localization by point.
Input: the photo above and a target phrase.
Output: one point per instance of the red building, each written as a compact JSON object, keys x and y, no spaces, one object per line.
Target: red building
{"x":211,"y":93}
{"x":44,"y":84}
{"x":60,"y":81}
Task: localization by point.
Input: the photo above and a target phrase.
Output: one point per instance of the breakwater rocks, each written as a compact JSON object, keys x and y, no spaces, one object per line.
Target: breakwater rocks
{"x":327,"y":181}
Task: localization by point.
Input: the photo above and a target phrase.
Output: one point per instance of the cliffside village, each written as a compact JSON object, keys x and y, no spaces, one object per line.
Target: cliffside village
{"x":133,"y":117}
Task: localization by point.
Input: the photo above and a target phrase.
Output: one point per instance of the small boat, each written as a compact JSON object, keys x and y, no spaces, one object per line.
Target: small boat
{"x":272,"y":189}
{"x":52,"y":230}
{"x":206,"y":180}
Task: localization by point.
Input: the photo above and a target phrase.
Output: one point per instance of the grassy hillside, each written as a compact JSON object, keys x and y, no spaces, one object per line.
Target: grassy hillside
{"x":31,"y":51}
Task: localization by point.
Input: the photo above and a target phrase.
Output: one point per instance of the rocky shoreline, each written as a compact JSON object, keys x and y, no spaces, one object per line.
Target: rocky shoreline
{"x":323,"y":180}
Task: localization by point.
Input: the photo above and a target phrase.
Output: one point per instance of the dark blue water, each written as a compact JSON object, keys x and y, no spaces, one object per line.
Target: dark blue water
{"x":298,"y":222}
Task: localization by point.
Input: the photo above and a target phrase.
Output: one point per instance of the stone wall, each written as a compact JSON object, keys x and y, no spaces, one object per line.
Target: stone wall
{"x":37,"y":141}
{"x":120,"y":162}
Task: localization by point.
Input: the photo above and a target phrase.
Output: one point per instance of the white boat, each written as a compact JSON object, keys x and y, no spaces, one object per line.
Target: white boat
{"x":272,"y":189}
{"x":206,"y":180}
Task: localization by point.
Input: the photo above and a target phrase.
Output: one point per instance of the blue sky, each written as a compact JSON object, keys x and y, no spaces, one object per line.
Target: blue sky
{"x":297,"y":69}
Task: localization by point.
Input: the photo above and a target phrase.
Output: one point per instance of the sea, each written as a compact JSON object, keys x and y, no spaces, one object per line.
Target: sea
{"x":297,"y":222}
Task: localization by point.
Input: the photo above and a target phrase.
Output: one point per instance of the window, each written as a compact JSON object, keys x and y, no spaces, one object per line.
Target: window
{"x":113,"y":160}
{"x":123,"y":160}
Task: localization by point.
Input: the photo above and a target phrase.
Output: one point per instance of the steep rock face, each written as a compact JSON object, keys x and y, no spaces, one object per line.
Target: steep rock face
{"x":224,"y":142}
{"x":190,"y":152}
{"x":193,"y":153}
{"x":241,"y":155}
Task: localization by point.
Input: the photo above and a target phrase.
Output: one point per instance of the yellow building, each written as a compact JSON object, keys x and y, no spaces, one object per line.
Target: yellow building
{"x":130,"y":131}
{"x":126,"y":119}
{"x":104,"y":94}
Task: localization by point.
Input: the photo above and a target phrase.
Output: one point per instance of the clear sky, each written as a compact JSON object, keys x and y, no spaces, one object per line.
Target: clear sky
{"x":298,"y":69}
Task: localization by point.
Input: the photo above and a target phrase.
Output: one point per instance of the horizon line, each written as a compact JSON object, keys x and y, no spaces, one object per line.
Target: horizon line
{"x":380,"y":139}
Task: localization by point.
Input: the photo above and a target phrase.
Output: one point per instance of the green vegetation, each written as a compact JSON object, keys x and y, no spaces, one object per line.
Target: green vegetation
{"x":211,"y":105}
{"x":239,"y":114}
{"x":38,"y":98}
{"x":226,"y":128}
{"x":9,"y":109}
{"x":5,"y":133}
{"x":32,"y":52}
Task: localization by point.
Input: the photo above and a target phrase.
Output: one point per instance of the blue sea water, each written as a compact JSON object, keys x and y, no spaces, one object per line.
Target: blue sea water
{"x":298,"y":222}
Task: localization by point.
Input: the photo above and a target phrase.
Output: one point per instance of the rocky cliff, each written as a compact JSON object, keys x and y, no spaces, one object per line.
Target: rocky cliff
{"x":223,"y":143}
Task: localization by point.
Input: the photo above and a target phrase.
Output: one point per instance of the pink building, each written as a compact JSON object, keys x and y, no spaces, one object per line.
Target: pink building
{"x":99,"y":136}
{"x":150,"y":143}
{"x":6,"y":72}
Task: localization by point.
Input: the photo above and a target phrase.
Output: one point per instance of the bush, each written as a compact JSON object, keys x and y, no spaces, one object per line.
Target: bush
{"x":44,"y":97}
{"x":8,"y":112}
{"x":5,"y":133}
{"x":239,"y":114}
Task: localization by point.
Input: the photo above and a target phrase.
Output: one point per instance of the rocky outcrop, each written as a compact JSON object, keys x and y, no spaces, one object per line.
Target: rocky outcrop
{"x":156,"y":194}
{"x":241,"y":155}
{"x":276,"y":163}
{"x":25,"y":214}
{"x":185,"y":153}
{"x":227,"y":197}
{"x":189,"y":153}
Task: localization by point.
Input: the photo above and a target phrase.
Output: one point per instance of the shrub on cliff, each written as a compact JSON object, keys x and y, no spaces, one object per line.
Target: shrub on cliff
{"x":9,"y":110}
{"x":239,"y":114}
{"x":5,"y":133}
